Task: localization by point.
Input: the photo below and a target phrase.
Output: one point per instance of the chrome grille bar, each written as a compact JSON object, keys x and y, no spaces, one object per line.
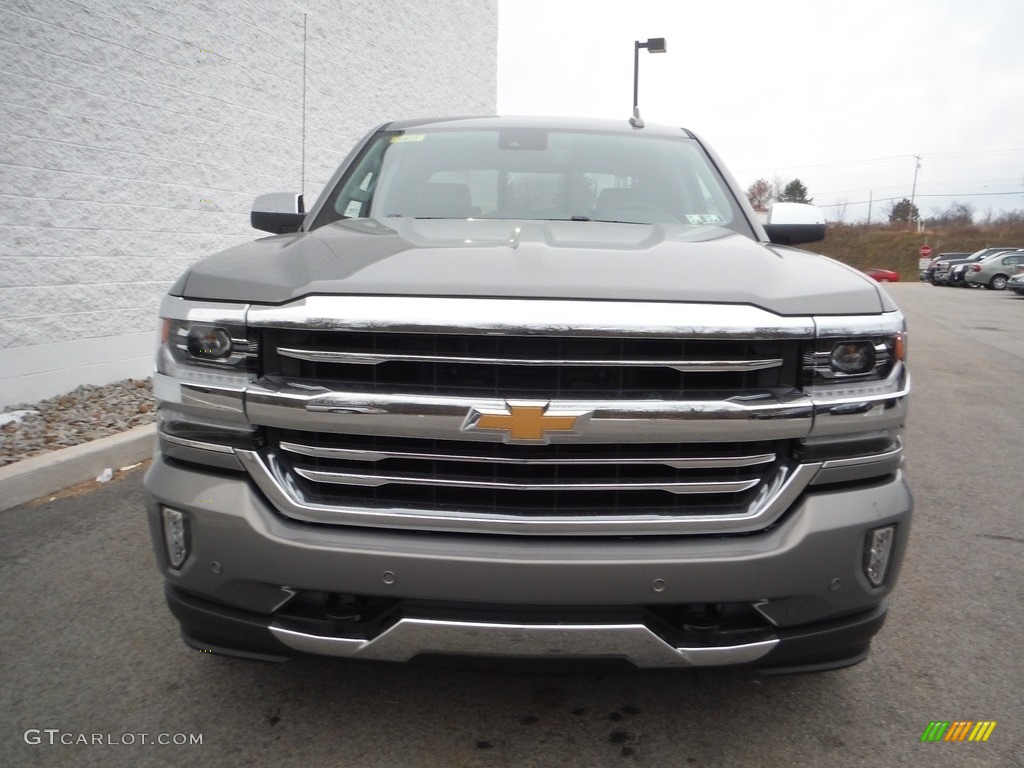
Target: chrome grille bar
{"x":684,"y":366}
{"x":377,"y":480}
{"x":694,"y":462}
{"x":544,"y":317}
{"x":314,"y":407}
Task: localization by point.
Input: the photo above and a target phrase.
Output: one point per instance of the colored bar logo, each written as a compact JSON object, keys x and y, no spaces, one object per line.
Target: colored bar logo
{"x":958,"y":730}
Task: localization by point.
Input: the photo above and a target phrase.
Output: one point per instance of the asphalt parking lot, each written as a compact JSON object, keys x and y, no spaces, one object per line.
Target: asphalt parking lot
{"x":90,"y":653}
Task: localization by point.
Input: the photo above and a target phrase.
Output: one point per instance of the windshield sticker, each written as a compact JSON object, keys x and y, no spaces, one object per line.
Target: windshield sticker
{"x":407,"y":137}
{"x":705,"y":218}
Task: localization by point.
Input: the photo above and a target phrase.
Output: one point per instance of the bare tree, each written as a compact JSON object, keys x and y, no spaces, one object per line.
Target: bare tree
{"x":957,"y":214}
{"x":778,"y":184}
{"x":760,"y":193}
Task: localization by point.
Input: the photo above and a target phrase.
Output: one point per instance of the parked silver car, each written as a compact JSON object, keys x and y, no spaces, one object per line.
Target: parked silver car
{"x":994,"y":271}
{"x":942,"y":268}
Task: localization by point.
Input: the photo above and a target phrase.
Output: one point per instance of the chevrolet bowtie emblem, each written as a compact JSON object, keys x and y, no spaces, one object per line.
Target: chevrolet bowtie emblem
{"x":528,"y":421}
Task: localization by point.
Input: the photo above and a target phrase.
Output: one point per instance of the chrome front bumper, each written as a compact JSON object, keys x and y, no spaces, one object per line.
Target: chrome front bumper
{"x":408,"y":638}
{"x":820,"y":646}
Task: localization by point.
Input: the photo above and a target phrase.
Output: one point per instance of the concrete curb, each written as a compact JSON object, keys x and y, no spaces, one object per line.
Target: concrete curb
{"x":37,"y":476}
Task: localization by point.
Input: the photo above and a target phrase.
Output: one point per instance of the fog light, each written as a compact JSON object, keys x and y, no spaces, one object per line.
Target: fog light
{"x":177,"y":536}
{"x":877,"y":550}
{"x":852,"y":357}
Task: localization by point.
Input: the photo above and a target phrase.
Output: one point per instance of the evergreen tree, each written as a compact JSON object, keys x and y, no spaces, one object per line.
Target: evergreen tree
{"x":795,"y":192}
{"x":904,"y":211}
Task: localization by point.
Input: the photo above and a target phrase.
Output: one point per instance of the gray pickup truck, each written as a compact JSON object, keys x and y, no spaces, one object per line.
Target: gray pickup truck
{"x":542,"y":388}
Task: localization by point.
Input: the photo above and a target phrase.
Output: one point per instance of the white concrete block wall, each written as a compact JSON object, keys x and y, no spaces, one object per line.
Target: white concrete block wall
{"x":134,"y":135}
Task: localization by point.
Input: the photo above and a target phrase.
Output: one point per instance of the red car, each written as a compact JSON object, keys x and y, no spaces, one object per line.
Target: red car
{"x":883,"y":275}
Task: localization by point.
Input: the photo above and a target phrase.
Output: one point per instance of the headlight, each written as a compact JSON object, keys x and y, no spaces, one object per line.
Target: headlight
{"x":856,"y":356}
{"x":833,"y":361}
{"x":205,"y":361}
{"x":205,"y":343}
{"x":208,"y":342}
{"x":852,"y":358}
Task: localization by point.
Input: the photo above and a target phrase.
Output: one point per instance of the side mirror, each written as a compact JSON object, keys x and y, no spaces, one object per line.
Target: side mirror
{"x":278,"y":212}
{"x":794,"y":223}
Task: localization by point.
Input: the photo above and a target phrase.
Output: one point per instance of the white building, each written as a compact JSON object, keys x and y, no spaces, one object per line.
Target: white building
{"x":135,"y":137}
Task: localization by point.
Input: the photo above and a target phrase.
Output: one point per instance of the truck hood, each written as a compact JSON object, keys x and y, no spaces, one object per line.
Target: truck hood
{"x":531,"y":259}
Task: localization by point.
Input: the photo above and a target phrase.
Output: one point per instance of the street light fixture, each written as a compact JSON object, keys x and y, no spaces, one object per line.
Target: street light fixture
{"x":654,"y":45}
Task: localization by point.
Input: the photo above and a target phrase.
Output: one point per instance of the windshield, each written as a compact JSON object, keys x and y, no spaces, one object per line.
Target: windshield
{"x":533,"y":173}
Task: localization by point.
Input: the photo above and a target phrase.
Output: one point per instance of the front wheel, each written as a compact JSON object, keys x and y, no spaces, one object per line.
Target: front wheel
{"x":997,"y":283}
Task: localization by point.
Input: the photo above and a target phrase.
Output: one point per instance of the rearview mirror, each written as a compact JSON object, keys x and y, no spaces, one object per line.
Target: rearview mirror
{"x":278,"y":212}
{"x":794,"y":223}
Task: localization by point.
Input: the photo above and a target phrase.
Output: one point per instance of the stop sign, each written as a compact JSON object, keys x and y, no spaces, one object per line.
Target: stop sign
{"x":926,"y":251}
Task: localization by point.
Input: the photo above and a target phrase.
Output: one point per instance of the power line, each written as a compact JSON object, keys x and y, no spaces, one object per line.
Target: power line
{"x":883,"y":159}
{"x":882,"y":188}
{"x":903,"y":197}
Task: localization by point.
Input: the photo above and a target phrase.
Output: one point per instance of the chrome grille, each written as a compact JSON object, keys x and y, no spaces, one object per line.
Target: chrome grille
{"x":684,"y":415}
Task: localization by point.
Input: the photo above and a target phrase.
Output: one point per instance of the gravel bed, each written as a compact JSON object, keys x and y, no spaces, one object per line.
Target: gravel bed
{"x":85,"y":414}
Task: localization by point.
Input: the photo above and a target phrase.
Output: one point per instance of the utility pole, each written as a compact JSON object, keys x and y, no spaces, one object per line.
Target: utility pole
{"x":913,"y":190}
{"x":871,"y":198}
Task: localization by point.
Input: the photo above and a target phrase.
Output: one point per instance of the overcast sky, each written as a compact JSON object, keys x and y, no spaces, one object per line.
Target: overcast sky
{"x":839,"y":94}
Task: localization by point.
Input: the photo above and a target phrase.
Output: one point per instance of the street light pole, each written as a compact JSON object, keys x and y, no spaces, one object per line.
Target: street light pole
{"x":636,"y":73}
{"x":653,"y":45}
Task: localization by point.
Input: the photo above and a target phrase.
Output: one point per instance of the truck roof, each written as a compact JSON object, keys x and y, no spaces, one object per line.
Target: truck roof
{"x":530,"y":121}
